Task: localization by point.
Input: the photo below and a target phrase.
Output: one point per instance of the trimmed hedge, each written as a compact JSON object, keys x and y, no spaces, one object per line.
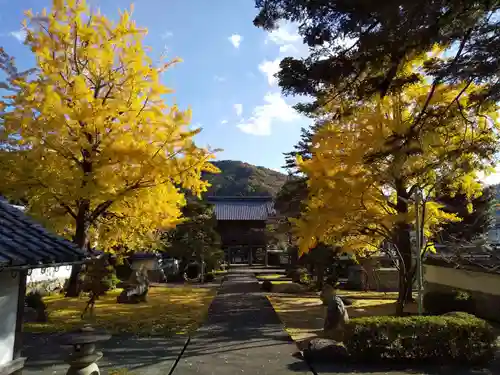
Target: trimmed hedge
{"x":461,"y":339}
{"x":34,"y":300}
{"x":438,"y":303}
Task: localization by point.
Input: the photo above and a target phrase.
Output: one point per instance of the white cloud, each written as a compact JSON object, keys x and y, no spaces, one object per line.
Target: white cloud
{"x":287,"y":37}
{"x":219,"y":78}
{"x":20,"y":35}
{"x":223,"y":122}
{"x":235,"y":40}
{"x":238,"y":108}
{"x":286,"y":33}
{"x":263,"y":116}
{"x":270,"y":68}
{"x":280,"y":170}
{"x":167,"y":34}
{"x":165,"y":50}
{"x":289,"y":49}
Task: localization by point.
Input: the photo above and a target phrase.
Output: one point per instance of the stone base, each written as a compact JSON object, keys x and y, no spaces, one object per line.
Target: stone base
{"x":13,"y":366}
{"x":92,"y":369}
{"x":325,"y":350}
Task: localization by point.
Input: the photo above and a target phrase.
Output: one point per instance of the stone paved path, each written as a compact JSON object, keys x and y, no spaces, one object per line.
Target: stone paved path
{"x":242,"y":335}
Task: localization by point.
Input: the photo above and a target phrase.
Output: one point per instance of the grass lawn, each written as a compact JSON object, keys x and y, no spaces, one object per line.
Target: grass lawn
{"x":303,"y":317}
{"x":168,"y":311}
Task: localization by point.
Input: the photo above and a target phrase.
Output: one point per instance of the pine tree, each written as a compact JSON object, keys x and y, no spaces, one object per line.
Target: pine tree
{"x":360,"y":47}
{"x":302,"y":149}
{"x":196,"y":237}
{"x":476,"y":216}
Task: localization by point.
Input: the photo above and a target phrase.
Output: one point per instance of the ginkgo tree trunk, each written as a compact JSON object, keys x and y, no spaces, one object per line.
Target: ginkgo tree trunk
{"x":367,"y":164}
{"x":90,"y":142}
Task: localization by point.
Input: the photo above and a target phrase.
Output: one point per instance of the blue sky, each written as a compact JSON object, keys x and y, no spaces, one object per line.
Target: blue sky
{"x":226,"y":76}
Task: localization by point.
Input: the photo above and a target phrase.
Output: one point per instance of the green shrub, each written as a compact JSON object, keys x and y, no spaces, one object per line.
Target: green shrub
{"x":267,"y":286}
{"x":111,"y":280}
{"x":209,"y":277}
{"x":34,"y":300}
{"x":443,"y":302}
{"x":305,"y":279}
{"x":459,"y":314}
{"x":462,"y":339}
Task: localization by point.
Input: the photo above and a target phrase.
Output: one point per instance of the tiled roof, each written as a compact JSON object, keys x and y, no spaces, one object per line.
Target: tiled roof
{"x":242,"y":208}
{"x":25,"y":243}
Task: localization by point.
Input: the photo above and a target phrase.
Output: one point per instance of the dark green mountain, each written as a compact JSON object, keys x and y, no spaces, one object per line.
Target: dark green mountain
{"x":242,"y":179}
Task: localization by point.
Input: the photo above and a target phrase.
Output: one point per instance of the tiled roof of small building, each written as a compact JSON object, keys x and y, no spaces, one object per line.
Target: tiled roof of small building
{"x":25,"y":243}
{"x":242,"y":208}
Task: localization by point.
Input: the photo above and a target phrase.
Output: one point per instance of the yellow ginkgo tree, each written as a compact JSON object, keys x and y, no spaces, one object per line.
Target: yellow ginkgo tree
{"x":367,"y":164}
{"x":88,"y":139}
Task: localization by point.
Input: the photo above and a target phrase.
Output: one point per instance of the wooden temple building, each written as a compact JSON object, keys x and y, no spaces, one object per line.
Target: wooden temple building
{"x":241,"y":223}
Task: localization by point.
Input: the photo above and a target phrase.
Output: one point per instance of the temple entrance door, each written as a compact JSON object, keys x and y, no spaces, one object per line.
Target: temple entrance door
{"x":238,"y":255}
{"x":250,"y":255}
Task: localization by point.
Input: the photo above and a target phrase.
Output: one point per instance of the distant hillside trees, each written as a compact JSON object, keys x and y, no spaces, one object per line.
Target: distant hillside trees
{"x":237,"y":178}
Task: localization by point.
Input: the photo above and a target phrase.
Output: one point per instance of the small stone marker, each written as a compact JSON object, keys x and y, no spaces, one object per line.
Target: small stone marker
{"x":136,"y":289}
{"x":82,"y":360}
{"x":336,"y":318}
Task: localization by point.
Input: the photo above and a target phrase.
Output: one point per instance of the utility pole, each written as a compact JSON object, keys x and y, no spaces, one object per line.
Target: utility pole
{"x":418,"y":240}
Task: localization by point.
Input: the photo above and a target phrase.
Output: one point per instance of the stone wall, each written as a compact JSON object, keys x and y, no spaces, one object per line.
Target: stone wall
{"x":47,"y":280}
{"x":388,"y":279}
{"x":49,"y":273}
{"x":150,"y":264}
{"x":9,"y":289}
{"x":370,"y":277}
{"x":483,"y":287}
{"x":378,"y":274}
{"x":46,"y":286}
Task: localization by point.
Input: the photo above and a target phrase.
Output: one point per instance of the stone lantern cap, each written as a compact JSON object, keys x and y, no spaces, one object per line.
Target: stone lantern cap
{"x":83,"y":336}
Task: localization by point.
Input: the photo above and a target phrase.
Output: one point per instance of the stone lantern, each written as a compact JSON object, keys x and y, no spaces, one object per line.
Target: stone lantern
{"x":82,"y":360}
